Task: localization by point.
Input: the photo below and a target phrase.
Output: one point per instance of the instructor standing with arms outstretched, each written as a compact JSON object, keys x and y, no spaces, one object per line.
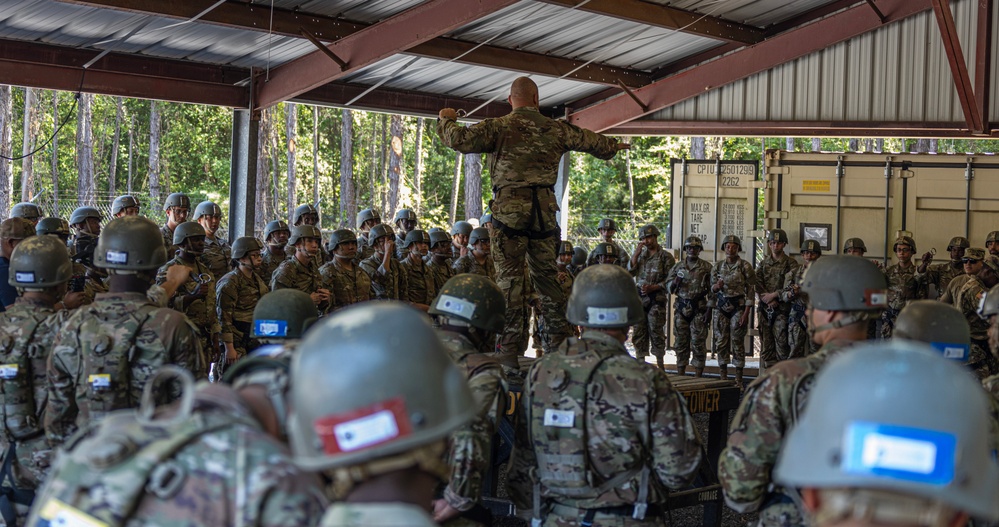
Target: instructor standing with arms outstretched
{"x":525,"y":148}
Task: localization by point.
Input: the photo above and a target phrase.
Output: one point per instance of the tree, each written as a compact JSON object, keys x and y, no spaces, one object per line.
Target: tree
{"x":697,"y":148}
{"x":55,"y":150}
{"x":154,"y":154}
{"x":395,"y":164}
{"x":348,"y":205}
{"x":418,"y":173}
{"x":290,"y":126}
{"x":113,"y":165}
{"x":6,"y":174}
{"x":27,"y":145}
{"x":264,"y":212}
{"x":452,"y":216}
{"x":473,"y":185}
{"x":85,"y":152}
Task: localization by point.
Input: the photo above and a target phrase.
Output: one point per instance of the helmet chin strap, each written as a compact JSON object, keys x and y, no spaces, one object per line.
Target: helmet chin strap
{"x":836,"y":324}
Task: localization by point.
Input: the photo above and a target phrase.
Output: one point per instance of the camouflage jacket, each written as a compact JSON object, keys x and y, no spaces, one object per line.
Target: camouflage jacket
{"x":441,"y":271}
{"x":770,"y":274}
{"x":791,"y":292}
{"x":471,"y":446}
{"x":738,"y":281}
{"x":376,"y":515}
{"x":363,"y":249}
{"x":991,"y":385}
{"x":635,"y":402}
{"x":201,"y":312}
{"x":949,"y":295}
{"x":217,"y":255}
{"x":941,"y":274}
{"x":565,"y":280}
{"x":349,"y":286}
{"x":421,"y":288}
{"x":386,"y":284}
{"x":468,"y":264}
{"x":271,"y":261}
{"x":624,"y":257}
{"x":164,"y":336}
{"x":235,"y":298}
{"x":293,"y":274}
{"x":653,"y":269}
{"x":695,"y":284}
{"x":904,"y":284}
{"x":968,"y":300}
{"x":233,"y":473}
{"x":167,"y":233}
{"x":93,"y":282}
{"x":769,"y":408}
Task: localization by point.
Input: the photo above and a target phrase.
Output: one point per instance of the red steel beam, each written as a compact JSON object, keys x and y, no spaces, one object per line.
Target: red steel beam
{"x":983,"y":63}
{"x":794,"y":129}
{"x":398,"y":101}
{"x":667,"y":17}
{"x":748,"y":61}
{"x":958,"y":68}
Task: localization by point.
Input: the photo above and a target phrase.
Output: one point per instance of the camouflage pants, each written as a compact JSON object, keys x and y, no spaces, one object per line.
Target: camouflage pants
{"x":799,"y":342}
{"x":729,"y":338}
{"x":650,"y":334}
{"x":511,"y":254}
{"x":773,"y":339}
{"x":888,"y":317}
{"x":980,"y":360}
{"x":781,"y":514}
{"x":691,"y":336}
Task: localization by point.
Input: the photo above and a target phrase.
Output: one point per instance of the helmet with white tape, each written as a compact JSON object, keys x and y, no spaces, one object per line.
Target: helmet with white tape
{"x":940,"y":325}
{"x":472,"y":299}
{"x":283,"y":314}
{"x":604,"y":296}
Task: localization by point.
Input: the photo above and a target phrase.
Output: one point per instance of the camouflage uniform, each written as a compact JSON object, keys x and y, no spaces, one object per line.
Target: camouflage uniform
{"x":690,"y":316}
{"x":348,"y":286}
{"x":525,"y":148}
{"x":797,"y":331}
{"x":470,"y":456}
{"x":468,"y":264}
{"x":364,"y":250}
{"x":217,"y":256}
{"x":591,"y":259}
{"x":940,"y":275}
{"x":292,"y":274}
{"x":769,"y":408}
{"x":738,"y":285}
{"x":235,"y":297}
{"x":271,"y":261}
{"x":420,"y":281}
{"x":233,"y":473}
{"x":167,"y":233}
{"x":386,"y":284}
{"x":968,"y":299}
{"x":637,"y":421}
{"x":158,"y":335}
{"x":440,"y":271}
{"x":949,"y":295}
{"x":904,"y":284}
{"x":382,"y":514}
{"x":650,"y":335}
{"x":770,"y":275}
{"x":200,"y":312}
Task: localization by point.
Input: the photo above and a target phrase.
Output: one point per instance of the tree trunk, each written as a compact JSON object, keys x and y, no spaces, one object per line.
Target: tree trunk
{"x":473,"y":186}
{"x":631,"y":187}
{"x":395,"y":163}
{"x":697,"y":148}
{"x":27,"y":145}
{"x":923,"y":145}
{"x":6,"y":150}
{"x":789,"y":141}
{"x":290,"y":129}
{"x":816,"y":144}
{"x":879,"y":145}
{"x":372,"y":165}
{"x":315,"y":154}
{"x":348,"y":205}
{"x":113,"y":168}
{"x":418,"y":175}
{"x":274,"y":164}
{"x":85,"y":152}
{"x":383,"y":166}
{"x":854,"y":145}
{"x":934,"y":144}
{"x":868,"y":145}
{"x":131,"y":146}
{"x":55,"y":151}
{"x":154,"y":156}
{"x":455,"y":189}
{"x":264,"y":212}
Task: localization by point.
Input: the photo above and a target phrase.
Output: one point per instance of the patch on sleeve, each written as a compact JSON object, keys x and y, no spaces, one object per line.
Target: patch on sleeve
{"x":59,"y":514}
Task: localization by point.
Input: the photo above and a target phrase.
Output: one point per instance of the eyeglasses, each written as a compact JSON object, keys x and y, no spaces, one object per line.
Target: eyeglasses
{"x":970,"y":260}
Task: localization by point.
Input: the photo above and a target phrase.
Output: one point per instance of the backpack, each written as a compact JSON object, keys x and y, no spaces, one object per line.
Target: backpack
{"x":17,"y":391}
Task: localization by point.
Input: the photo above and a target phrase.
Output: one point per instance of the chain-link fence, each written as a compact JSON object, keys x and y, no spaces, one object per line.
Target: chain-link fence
{"x":582,"y":231}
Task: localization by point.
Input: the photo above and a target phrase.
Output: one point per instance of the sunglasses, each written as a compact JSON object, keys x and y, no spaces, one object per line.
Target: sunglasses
{"x":970,"y":260}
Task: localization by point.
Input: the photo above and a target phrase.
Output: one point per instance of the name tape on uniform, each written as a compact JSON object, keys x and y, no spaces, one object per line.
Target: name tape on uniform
{"x":24,"y":277}
{"x":8,"y":371}
{"x":116,"y":257}
{"x":899,"y":453}
{"x":57,"y":513}
{"x":455,"y":306}
{"x":607,"y":316}
{"x":271,"y":328}
{"x":559,"y":418}
{"x":363,"y":428}
{"x":99,"y":380}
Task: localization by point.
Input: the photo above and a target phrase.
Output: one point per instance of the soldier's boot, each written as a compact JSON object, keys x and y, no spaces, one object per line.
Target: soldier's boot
{"x":723,"y":372}
{"x":699,"y":371}
{"x":738,"y":377}
{"x":681,"y":370}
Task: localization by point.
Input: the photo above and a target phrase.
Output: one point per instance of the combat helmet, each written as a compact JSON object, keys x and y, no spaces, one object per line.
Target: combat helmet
{"x":188,"y":229}
{"x":439,"y":237}
{"x":283,"y":314}
{"x":404,"y":214}
{"x":368,"y":215}
{"x":435,"y":229}
{"x":304,"y":210}
{"x":845,"y":283}
{"x":123,"y":202}
{"x":80,"y":215}
{"x":958,"y":242}
{"x":461,"y":227}
{"x":338,"y":395}
{"x":811,"y":246}
{"x":486,"y":218}
{"x":694,"y":242}
{"x":54,"y":226}
{"x":207,"y":208}
{"x":340,"y":236}
{"x":607,"y":223}
{"x":731,"y":238}
{"x":604,"y":296}
{"x":380,"y":231}
{"x":881,"y":397}
{"x":940,"y":325}
{"x":992,"y":237}
{"x":479,"y":234}
{"x":472,"y":299}
{"x":274,"y":226}
{"x":777,"y":235}
{"x":39,"y":262}
{"x":854,"y":243}
{"x":904,"y":240}
{"x":244,"y":245}
{"x":130,"y":243}
{"x":989,"y":304}
{"x":578,"y":257}
{"x":564,"y":247}
{"x":304,"y":231}
{"x":26,"y":210}
{"x":415,"y":236}
{"x":648,"y":230}
{"x":606,"y":249}
{"x":177,"y":199}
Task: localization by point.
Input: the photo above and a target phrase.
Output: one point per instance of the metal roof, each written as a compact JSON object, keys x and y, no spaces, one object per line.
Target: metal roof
{"x":577,"y":50}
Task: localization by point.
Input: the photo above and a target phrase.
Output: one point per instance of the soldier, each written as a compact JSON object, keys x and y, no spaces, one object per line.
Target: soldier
{"x":125,"y":205}
{"x":309,"y":215}
{"x":12,"y":232}
{"x":733,"y":282}
{"x":607,"y":229}
{"x":301,"y":270}
{"x":940,"y":325}
{"x":905,"y":283}
{"x":578,"y":262}
{"x":526,"y":148}
{"x":236,"y":296}
{"x":420,"y":291}
{"x":78,"y":291}
{"x":990,"y":243}
{"x":564,"y":266}
{"x":650,"y":264}
{"x":847,"y":458}
{"x":384,"y":474}
{"x":689,"y":280}
{"x":347,"y":282}
{"x":478,"y":260}
{"x":856,"y":247}
{"x":366,"y":219}
{"x":276,"y":235}
{"x":469,"y":312}
{"x":797,"y":331}
{"x":460,"y":232}
{"x":107,"y":351}
{"x":218,"y":457}
{"x":486,"y":221}
{"x":86,"y":225}
{"x":843,"y":292}
{"x":388,"y":281}
{"x":217,"y":253}
{"x":439,"y":259}
{"x":770,"y":273}
{"x":581,"y":457}
{"x":984,"y":273}
{"x":177,"y":207}
{"x":280,"y":320}
{"x":405,"y":221}
{"x":941,"y":274}
{"x":39,"y":269}
{"x":28,"y":211}
{"x":605,"y":253}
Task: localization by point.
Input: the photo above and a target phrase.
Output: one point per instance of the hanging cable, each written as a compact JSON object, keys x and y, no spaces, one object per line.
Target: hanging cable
{"x":76,"y":99}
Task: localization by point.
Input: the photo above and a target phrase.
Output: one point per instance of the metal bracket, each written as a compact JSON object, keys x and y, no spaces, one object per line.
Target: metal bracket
{"x":759,"y":183}
{"x":327,"y":51}
{"x":777,"y":215}
{"x":881,"y":16}
{"x":645,"y":107}
{"x":969,"y":170}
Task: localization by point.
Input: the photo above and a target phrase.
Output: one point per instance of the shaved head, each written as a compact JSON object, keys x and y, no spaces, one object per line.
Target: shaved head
{"x":523,"y":92}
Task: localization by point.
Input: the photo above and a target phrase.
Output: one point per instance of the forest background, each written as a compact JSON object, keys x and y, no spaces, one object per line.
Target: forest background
{"x":342,"y":160}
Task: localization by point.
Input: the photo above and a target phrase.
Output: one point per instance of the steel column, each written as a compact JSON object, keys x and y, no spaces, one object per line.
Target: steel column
{"x":243,"y":175}
{"x":983,"y":63}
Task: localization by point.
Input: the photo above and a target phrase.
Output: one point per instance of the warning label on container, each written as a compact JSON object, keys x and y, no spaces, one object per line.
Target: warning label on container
{"x":816,"y":185}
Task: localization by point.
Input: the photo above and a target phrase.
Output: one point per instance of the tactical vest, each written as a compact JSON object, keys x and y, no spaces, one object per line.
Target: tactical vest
{"x":17,"y":390}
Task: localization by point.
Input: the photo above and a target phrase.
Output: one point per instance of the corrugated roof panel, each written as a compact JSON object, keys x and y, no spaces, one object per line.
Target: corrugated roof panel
{"x":858,"y":98}
{"x":832,"y":80}
{"x":366,"y":11}
{"x":759,"y":13}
